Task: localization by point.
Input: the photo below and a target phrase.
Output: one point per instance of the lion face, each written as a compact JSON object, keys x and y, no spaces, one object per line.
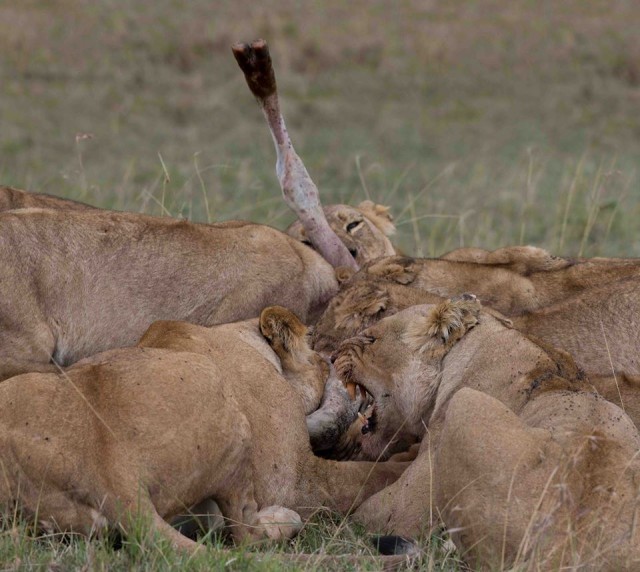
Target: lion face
{"x":359,"y":305}
{"x":398,"y":363}
{"x":363,"y":229}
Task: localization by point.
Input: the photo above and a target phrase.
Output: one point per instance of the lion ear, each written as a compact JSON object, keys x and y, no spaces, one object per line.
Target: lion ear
{"x":343,"y":274}
{"x":377,"y":303}
{"x":399,"y":269}
{"x":379,"y":215}
{"x":358,"y":311}
{"x":286,"y":334}
{"x":445,"y":324}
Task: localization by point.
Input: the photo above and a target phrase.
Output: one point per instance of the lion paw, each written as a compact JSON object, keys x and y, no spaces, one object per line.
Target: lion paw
{"x":397,"y":269}
{"x":278,"y":523}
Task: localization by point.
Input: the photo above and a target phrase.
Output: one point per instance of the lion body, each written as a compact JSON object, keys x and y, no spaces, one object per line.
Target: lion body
{"x":77,"y":283}
{"x":513,"y":287}
{"x":590,"y":308}
{"x":190,"y":414}
{"x":363,"y":229}
{"x":520,"y":457}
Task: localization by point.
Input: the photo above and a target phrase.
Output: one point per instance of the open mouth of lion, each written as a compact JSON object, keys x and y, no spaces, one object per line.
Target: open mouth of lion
{"x":345,"y":366}
{"x":354,"y":387}
{"x":368,"y":419}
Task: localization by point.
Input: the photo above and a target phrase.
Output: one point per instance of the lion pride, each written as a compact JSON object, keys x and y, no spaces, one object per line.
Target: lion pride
{"x":521,"y":459}
{"x":592,"y":311}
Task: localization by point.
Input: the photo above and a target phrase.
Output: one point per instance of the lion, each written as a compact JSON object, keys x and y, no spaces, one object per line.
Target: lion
{"x":189,"y":414}
{"x":527,"y":280}
{"x":520,"y":459}
{"x":363,"y":229}
{"x":523,"y":259}
{"x":597,"y":325}
{"x":358,"y":305}
{"x":76,"y":283}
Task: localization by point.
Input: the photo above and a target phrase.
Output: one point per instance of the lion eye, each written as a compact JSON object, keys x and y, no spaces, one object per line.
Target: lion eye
{"x":353,"y":225}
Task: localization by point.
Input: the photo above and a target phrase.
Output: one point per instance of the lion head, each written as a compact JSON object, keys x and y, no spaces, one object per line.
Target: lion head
{"x":363,"y":229}
{"x":398,"y":363}
{"x":360,"y":304}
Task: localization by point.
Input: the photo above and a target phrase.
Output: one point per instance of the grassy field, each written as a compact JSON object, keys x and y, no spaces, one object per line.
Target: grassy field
{"x":514,"y":122}
{"x":481,"y":124}
{"x":324,"y":537}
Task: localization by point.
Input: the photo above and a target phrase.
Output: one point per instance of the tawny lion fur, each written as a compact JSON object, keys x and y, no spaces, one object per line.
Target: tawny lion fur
{"x":364,"y":229}
{"x":12,"y":198}
{"x":76,"y":283}
{"x":190,"y":414}
{"x":589,"y":308}
{"x":521,"y":459}
{"x":527,"y":279}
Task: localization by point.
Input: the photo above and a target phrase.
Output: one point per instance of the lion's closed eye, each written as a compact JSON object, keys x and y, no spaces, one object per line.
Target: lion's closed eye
{"x":353,"y":226}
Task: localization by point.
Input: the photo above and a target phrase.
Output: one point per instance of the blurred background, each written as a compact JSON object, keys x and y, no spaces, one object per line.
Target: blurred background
{"x":481,"y":123}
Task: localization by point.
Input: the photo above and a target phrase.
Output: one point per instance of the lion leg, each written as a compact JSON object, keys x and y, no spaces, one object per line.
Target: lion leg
{"x":175,"y":538}
{"x":130,"y":509}
{"x":493,"y":480}
{"x":342,"y":485}
{"x":240,"y":512}
{"x":405,"y":507}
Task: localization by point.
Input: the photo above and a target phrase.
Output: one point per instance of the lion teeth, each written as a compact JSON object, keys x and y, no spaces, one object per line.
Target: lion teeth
{"x":352,"y":387}
{"x":362,"y":418}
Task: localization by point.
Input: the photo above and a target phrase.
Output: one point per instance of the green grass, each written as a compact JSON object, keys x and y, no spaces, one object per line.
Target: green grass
{"x":481,"y":124}
{"x":325,"y":535}
{"x":478,"y":125}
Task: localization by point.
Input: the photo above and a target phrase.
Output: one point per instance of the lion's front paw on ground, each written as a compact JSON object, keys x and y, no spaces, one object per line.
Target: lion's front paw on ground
{"x":278,"y":523}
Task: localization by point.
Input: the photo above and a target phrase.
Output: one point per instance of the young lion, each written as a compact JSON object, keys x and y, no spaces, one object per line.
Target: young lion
{"x":190,"y":414}
{"x":363,"y":229}
{"x":520,"y":457}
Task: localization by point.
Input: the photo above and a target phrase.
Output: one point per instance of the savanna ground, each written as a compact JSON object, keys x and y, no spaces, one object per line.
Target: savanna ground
{"x":480,"y":123}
